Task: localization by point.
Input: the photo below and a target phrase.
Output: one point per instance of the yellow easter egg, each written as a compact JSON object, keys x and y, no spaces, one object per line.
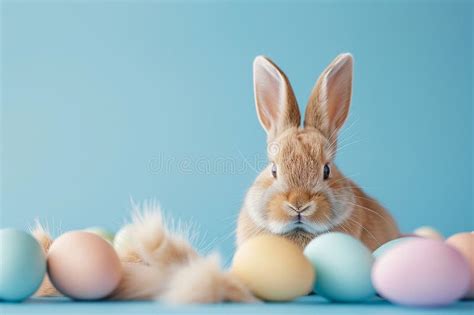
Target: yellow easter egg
{"x":273,"y":268}
{"x":428,"y":232}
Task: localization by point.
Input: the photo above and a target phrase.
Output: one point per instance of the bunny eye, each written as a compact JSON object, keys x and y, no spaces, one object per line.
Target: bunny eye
{"x":274,"y":170}
{"x":326,"y":171}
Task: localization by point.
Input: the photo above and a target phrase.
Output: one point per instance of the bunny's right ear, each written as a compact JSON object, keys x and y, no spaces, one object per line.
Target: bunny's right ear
{"x":330,"y":99}
{"x":276,"y":104}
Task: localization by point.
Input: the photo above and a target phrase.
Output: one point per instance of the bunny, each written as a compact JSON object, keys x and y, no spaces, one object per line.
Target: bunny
{"x":301,"y":193}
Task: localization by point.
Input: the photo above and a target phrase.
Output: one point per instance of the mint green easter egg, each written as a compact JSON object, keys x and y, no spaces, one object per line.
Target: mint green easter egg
{"x":343,"y":267}
{"x":22,"y":265}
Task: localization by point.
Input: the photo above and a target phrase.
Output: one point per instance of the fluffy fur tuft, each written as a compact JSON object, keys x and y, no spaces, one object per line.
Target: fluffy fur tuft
{"x":151,"y":255}
{"x":203,"y":281}
{"x":159,"y":264}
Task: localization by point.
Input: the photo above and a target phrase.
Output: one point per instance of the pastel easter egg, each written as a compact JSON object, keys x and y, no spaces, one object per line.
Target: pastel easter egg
{"x":22,"y":265}
{"x":273,"y":268}
{"x":390,"y":244}
{"x":421,"y":272}
{"x":124,"y":239}
{"x":428,"y":232}
{"x":83,"y":266}
{"x":104,"y":233}
{"x":464,"y":243}
{"x":344,"y":267}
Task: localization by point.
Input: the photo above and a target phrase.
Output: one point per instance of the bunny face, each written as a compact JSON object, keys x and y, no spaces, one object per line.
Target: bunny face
{"x":301,"y":190}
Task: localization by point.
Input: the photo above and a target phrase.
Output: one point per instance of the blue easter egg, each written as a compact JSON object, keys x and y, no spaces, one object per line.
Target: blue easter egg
{"x":22,"y":265}
{"x":390,"y":244}
{"x":343,"y":267}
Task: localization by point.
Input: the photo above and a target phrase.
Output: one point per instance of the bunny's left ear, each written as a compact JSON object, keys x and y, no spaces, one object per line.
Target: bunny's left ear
{"x":330,"y":99}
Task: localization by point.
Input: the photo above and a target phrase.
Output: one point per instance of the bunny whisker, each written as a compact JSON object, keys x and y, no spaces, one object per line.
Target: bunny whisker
{"x":366,"y":230}
{"x":370,"y":210}
{"x":344,"y":228}
{"x":338,"y":141}
{"x":347,"y":145}
{"x":345,"y":178}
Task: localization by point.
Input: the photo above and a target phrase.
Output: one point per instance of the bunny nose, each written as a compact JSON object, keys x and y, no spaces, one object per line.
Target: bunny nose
{"x":298,"y":200}
{"x":299,"y":209}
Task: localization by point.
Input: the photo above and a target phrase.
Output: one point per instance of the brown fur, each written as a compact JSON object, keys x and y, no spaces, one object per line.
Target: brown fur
{"x":300,"y":154}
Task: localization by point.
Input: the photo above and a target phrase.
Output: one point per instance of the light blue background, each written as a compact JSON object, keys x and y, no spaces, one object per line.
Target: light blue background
{"x":95,"y":94}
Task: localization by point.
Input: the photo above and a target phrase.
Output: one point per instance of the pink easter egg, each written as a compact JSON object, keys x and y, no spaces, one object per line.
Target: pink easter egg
{"x":84,"y":266}
{"x":421,"y":272}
